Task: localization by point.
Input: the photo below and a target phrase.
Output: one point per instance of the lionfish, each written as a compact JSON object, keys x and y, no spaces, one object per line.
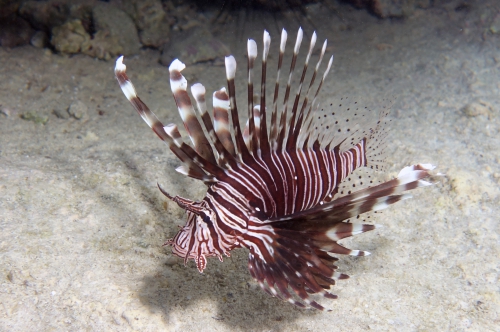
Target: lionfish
{"x":275,"y":192}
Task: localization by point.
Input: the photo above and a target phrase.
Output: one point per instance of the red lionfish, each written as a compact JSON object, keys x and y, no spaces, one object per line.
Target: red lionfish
{"x":276,"y":191}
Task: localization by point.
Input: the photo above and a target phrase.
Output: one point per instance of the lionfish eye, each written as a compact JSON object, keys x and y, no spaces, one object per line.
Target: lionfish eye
{"x":207,"y":220}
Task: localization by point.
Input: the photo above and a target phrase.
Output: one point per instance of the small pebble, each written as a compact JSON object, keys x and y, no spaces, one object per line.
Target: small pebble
{"x":477,"y":108}
{"x":40,"y":39}
{"x":78,"y":110}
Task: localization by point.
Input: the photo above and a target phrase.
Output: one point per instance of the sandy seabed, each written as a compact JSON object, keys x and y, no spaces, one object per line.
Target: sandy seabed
{"x":82,"y":221}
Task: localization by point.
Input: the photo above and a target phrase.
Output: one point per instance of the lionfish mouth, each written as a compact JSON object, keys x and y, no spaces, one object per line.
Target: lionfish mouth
{"x":285,"y":187}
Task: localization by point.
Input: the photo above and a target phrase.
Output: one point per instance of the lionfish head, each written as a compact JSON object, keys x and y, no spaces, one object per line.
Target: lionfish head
{"x":194,"y":240}
{"x":186,"y":244}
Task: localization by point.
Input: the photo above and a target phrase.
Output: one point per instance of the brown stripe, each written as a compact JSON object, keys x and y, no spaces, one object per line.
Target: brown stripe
{"x":221,"y":115}
{"x":175,"y":75}
{"x":182,"y":100}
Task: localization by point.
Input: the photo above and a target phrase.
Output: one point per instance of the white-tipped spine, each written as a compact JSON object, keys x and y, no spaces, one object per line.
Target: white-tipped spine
{"x":267,"y":42}
{"x":323,"y":49}
{"x":177,"y":65}
{"x":311,"y":46}
{"x":300,"y":35}
{"x":327,"y":70}
{"x":230,"y":63}
{"x":252,"y":48}
{"x":284,"y":36}
{"x":198,"y":90}
{"x":119,"y":66}
{"x":181,"y":83}
{"x":313,"y":40}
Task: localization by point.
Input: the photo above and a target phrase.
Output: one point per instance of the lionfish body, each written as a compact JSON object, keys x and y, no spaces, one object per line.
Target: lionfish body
{"x":275,"y":191}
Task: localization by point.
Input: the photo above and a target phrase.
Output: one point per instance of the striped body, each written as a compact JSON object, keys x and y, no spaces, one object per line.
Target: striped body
{"x":242,"y":197}
{"x":275,"y":191}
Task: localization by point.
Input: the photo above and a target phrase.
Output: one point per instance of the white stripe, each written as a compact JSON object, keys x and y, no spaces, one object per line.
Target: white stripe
{"x":128,"y":90}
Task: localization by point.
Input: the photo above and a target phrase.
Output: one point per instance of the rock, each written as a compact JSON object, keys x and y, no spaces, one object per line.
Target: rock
{"x":15,"y":31}
{"x":78,"y":110}
{"x":17,"y":276}
{"x":82,"y":10}
{"x":148,"y":13}
{"x":193,"y":46}
{"x":103,"y":46}
{"x":119,"y":26}
{"x":61,"y":114}
{"x":69,"y":37}
{"x":9,"y":8}
{"x":393,"y":8}
{"x":35,"y":117}
{"x":46,"y":15}
{"x":40,"y":39}
{"x":495,"y":25}
{"x":478,"y":108}
{"x":390,"y":8}
{"x":152,"y":22}
{"x":115,"y":31}
{"x":156,"y":36}
{"x":90,"y":137}
{"x":6,"y":111}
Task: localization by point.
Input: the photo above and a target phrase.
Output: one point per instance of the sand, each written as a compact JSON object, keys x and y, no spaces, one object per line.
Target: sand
{"x":82,"y":221}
